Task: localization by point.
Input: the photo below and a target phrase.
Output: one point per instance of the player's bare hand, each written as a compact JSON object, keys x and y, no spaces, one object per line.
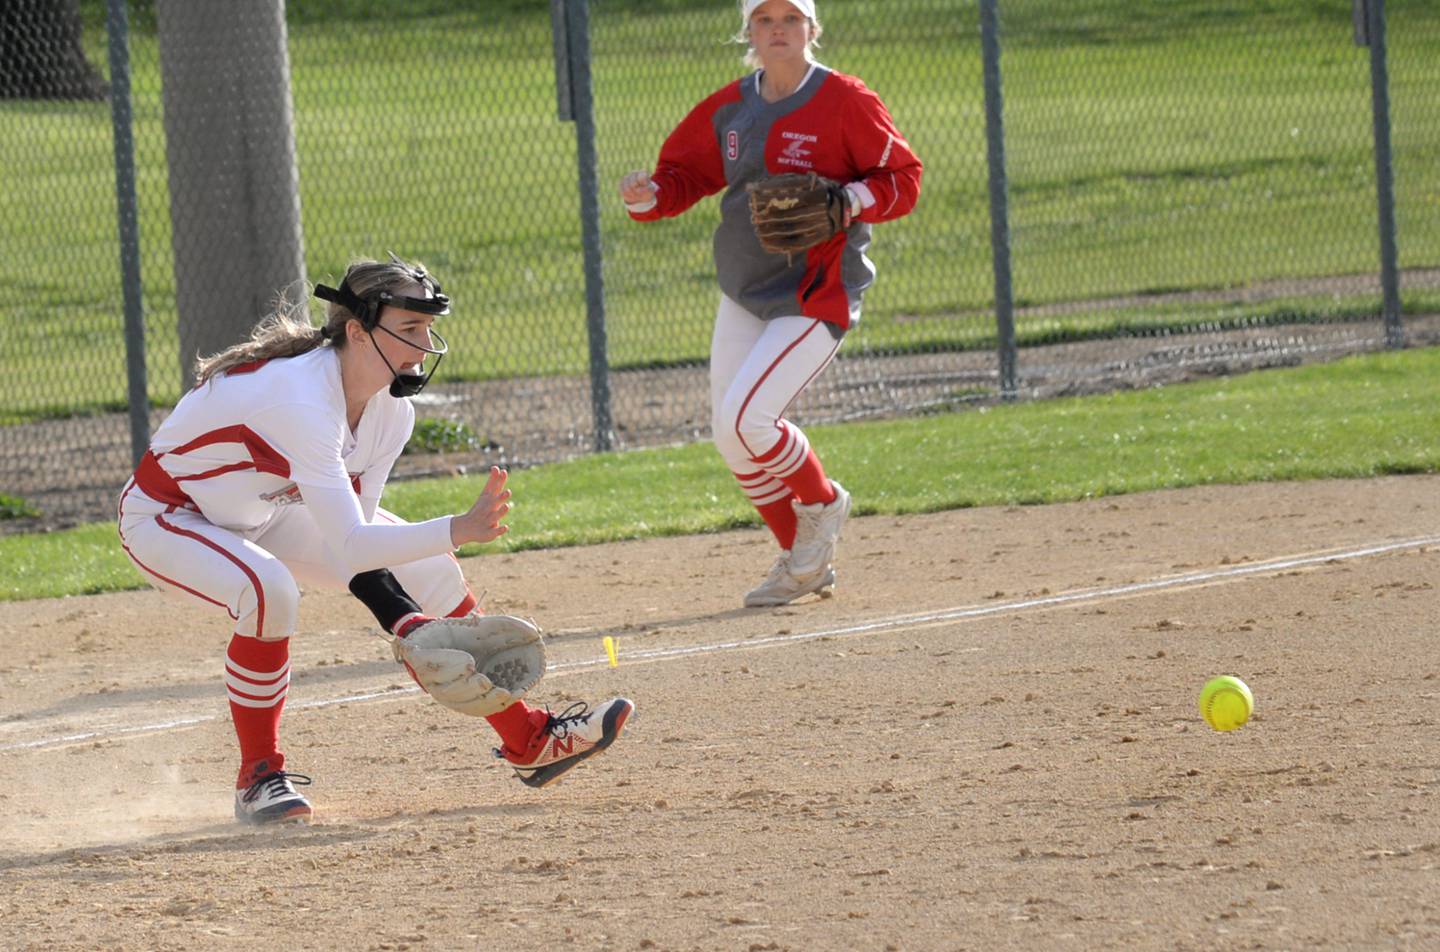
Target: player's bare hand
{"x":482,"y":522}
{"x":636,"y":188}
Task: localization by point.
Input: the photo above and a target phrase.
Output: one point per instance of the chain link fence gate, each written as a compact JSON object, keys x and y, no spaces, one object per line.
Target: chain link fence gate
{"x":1191,"y":186}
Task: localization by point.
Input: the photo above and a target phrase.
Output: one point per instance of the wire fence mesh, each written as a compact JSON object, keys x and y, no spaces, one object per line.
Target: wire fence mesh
{"x":1192,"y":191}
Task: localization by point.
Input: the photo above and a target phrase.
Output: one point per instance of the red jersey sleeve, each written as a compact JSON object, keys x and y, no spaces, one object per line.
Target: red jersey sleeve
{"x":690,"y":165}
{"x":889,"y":169}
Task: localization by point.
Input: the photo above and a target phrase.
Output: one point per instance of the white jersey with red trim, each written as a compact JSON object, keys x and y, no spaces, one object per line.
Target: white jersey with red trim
{"x":241,"y":444}
{"x":274,"y":433}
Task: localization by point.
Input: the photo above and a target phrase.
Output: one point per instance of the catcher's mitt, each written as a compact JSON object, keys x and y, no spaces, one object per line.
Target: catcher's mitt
{"x":478,"y":664}
{"x":796,"y":211}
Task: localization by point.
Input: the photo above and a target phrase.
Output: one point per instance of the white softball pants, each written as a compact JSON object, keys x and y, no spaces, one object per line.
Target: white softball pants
{"x":757,"y":370}
{"x":256,"y":577}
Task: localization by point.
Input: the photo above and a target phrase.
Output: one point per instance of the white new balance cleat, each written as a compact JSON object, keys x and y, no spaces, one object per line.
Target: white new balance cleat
{"x":568,"y":738}
{"x":817,"y":531}
{"x":782,"y":586}
{"x":273,"y":799}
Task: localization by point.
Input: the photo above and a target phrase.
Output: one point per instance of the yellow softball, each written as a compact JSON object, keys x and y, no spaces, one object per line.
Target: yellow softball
{"x":1226,"y":703}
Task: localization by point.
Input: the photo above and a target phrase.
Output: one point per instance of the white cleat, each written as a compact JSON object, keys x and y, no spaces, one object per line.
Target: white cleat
{"x":782,"y":586}
{"x":568,"y":738}
{"x":274,"y":799}
{"x":816,"y":533}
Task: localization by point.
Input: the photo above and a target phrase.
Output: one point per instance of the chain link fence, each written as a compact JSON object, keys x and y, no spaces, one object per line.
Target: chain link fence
{"x":1191,"y":191}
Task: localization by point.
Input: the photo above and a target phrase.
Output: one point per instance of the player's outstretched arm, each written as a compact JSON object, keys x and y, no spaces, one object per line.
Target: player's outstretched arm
{"x":482,"y":522}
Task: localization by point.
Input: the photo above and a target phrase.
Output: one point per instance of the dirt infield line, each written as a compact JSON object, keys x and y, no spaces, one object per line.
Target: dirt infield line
{"x":891,"y":624}
{"x":909,"y":622}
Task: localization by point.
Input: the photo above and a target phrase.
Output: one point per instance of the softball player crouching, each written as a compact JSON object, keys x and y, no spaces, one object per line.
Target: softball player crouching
{"x":268,"y":475}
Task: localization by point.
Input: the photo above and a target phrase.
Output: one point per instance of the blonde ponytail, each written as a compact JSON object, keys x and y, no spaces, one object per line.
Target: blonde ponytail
{"x":287,"y":332}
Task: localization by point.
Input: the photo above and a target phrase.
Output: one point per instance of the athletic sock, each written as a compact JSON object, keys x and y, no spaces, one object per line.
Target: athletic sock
{"x":257,"y":678}
{"x":780,"y":517}
{"x":771,"y":498}
{"x":517,"y":725}
{"x":794,"y":463}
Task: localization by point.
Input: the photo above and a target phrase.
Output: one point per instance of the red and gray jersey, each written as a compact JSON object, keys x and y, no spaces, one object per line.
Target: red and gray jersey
{"x":833,"y":125}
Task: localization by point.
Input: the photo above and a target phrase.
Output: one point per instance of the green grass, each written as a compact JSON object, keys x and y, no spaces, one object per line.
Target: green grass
{"x":14,"y":507}
{"x":1190,"y":144}
{"x":1359,"y":417}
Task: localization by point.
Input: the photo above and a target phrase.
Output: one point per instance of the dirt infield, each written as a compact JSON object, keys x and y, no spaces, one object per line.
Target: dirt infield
{"x":988,"y":739}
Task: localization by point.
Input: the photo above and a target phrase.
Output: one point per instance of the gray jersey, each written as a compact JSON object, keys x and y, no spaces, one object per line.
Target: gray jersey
{"x":831,"y":125}
{"x":766,"y":284}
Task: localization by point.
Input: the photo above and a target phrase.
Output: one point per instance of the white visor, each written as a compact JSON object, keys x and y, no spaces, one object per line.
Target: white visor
{"x":806,"y":7}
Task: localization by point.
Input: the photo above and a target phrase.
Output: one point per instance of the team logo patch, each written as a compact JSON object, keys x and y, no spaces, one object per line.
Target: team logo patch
{"x":797,"y":149}
{"x":287,"y":495}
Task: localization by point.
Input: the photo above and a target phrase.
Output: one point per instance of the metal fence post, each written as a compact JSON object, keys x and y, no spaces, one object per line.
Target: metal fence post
{"x":1371,"y":13}
{"x":999,"y":195}
{"x":118,"y":28}
{"x":572,"y":49}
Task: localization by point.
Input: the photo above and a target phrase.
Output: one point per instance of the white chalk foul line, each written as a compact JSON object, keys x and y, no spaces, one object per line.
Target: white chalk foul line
{"x":192,"y":721}
{"x":896,"y":623}
{"x":958,"y":614}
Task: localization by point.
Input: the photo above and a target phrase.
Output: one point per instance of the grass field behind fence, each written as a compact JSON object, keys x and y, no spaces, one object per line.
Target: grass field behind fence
{"x":1359,"y":417}
{"x":1203,"y":146}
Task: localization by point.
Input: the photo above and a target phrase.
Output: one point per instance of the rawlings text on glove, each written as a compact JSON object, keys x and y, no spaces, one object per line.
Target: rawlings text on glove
{"x":796,"y":211}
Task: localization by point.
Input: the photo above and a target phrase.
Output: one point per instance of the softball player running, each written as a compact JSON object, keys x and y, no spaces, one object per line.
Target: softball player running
{"x":780,"y":322}
{"x":268,"y":475}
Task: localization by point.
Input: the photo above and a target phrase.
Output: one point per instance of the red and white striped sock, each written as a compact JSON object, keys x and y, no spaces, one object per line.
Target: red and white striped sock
{"x":771,"y":498}
{"x":794,"y":463}
{"x":257,"y":678}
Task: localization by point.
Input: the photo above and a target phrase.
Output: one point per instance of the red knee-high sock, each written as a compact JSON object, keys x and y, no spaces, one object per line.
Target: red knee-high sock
{"x":517,"y":725}
{"x":809,"y":483}
{"x":793,"y":462}
{"x":771,"y":498}
{"x":257,"y":677}
{"x":780,"y":517}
